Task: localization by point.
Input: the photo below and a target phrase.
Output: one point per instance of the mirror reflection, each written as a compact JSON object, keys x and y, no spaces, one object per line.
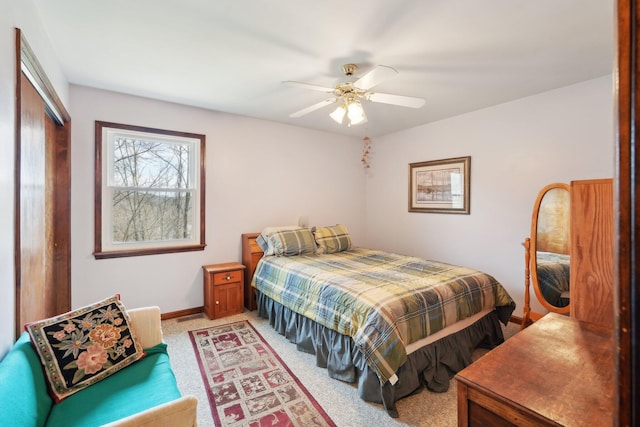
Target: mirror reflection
{"x":552,"y":247}
{"x":547,"y":255}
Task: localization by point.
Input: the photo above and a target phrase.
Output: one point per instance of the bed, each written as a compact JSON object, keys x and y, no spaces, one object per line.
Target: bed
{"x":389,"y":322}
{"x":553,"y":277}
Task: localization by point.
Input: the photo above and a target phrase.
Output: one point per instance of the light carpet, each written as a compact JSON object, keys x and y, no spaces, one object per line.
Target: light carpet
{"x":248,"y":384}
{"x":339,"y":400}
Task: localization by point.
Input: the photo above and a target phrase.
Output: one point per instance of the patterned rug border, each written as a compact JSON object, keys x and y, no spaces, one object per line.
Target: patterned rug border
{"x":211,"y":397}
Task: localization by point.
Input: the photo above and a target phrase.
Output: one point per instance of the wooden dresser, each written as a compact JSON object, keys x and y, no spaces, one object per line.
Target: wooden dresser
{"x":223,"y":289}
{"x":557,"y":372}
{"x":251,"y":254}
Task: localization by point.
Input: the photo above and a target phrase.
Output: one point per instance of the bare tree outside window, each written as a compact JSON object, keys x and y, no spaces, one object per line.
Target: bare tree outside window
{"x":151,"y":191}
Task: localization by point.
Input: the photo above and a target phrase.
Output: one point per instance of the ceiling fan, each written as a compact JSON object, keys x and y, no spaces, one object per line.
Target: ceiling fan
{"x":349,"y":93}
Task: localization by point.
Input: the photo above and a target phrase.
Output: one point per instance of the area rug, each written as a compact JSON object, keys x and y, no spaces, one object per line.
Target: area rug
{"x":248,"y":384}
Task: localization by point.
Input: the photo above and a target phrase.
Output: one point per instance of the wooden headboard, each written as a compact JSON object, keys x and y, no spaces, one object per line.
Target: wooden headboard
{"x":251,"y":254}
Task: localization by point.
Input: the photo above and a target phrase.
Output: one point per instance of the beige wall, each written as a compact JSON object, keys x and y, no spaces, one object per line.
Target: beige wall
{"x":259,"y":173}
{"x":267,"y":174}
{"x":516,"y":148}
{"x":21,"y":14}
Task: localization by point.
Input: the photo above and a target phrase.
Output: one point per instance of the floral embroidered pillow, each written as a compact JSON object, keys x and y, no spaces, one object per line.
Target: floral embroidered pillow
{"x":84,"y":346}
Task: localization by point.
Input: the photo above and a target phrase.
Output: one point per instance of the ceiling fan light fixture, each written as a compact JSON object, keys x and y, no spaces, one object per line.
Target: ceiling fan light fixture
{"x":349,"y":93}
{"x":355,"y":113}
{"x":339,"y":113}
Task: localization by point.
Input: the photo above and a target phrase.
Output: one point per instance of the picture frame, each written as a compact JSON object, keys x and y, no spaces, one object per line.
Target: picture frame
{"x":440,"y":186}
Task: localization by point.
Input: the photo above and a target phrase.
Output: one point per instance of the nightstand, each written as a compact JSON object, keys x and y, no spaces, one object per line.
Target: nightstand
{"x":223,"y":289}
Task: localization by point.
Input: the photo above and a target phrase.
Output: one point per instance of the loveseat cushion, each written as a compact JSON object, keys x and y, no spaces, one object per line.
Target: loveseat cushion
{"x":142,"y":385}
{"x":24,"y":400}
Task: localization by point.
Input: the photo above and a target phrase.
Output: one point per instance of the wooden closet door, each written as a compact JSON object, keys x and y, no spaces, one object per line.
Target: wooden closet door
{"x":43,"y":195}
{"x":33,"y":269}
{"x":43,"y":263}
{"x":591,"y":273}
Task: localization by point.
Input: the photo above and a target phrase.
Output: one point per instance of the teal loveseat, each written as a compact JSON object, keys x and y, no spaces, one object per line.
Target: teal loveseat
{"x":142,"y":394}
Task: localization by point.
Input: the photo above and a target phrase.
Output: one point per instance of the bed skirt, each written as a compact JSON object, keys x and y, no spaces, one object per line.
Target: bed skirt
{"x":432,"y":366}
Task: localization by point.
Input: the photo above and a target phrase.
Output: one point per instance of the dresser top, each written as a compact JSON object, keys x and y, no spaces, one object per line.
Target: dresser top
{"x":559,"y":367}
{"x":227,"y":266}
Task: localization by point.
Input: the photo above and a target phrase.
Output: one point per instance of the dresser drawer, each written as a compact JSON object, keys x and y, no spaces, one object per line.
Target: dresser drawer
{"x":227,"y":277}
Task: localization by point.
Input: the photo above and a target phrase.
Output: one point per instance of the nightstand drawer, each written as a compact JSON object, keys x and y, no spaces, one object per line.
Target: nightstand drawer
{"x":227,"y":277}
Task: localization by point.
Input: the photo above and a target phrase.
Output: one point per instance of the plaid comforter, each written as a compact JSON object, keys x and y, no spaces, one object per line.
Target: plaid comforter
{"x":382,"y":300}
{"x":553,"y":276}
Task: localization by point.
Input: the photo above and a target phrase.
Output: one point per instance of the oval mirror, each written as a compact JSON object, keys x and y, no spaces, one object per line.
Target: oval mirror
{"x":550,"y":243}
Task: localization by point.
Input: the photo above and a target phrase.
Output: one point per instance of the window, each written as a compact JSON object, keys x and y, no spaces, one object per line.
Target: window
{"x":149,"y":191}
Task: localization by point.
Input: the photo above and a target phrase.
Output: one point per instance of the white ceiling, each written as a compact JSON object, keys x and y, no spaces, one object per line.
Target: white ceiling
{"x":232,"y":55}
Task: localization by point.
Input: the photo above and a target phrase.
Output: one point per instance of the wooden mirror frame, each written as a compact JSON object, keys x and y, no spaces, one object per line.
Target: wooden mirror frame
{"x":534,"y":248}
{"x":531,"y":263}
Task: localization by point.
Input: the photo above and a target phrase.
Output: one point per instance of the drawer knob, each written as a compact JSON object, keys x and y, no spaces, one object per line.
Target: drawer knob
{"x":228,"y":277}
{"x":217,"y":302}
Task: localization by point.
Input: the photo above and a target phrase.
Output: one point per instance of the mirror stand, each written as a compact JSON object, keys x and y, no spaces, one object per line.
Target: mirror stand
{"x":546,"y":253}
{"x":528,"y":316}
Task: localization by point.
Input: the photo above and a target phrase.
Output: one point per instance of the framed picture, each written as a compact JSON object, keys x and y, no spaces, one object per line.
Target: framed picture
{"x":440,"y":186}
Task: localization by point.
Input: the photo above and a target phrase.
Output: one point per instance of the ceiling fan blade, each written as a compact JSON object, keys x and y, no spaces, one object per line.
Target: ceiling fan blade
{"x":375,"y":77}
{"x":313,"y":107}
{"x":309,"y":86}
{"x":403,"y":101}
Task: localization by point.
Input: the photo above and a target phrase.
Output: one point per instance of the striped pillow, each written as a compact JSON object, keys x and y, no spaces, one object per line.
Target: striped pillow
{"x":333,"y":239}
{"x":292,"y":242}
